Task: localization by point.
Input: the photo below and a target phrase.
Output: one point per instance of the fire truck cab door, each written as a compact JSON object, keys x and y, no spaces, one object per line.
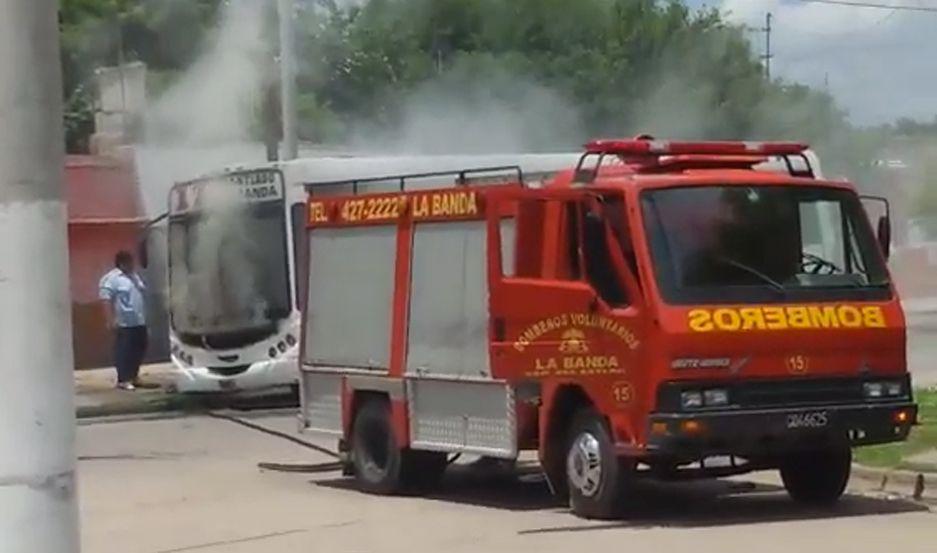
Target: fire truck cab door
{"x":567,"y":308}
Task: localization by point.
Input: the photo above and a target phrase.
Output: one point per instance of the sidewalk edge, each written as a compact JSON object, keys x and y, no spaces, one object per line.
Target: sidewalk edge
{"x":916,"y":484}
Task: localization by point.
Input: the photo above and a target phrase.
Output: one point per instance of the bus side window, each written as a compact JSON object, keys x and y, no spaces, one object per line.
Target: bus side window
{"x":600,"y":270}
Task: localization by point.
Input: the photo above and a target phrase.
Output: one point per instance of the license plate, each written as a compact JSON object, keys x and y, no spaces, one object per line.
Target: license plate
{"x":810,"y":419}
{"x":227,"y":385}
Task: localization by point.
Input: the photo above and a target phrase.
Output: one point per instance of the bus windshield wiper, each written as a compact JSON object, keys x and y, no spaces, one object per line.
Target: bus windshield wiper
{"x":751,"y":270}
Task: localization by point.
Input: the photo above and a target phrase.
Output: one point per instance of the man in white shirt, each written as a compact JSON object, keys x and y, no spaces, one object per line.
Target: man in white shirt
{"x":122,"y":291}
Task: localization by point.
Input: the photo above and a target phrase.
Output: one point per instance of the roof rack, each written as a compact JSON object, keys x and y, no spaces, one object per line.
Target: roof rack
{"x":462,"y":178}
{"x":645,"y":153}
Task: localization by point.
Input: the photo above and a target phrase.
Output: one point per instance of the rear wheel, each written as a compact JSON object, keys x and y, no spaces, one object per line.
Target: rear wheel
{"x":380,"y":466}
{"x":596,"y":478}
{"x":377,"y":460}
{"x":817,"y":477}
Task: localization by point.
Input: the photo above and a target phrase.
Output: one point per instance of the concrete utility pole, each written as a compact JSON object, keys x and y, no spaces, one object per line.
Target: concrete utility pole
{"x":37,"y":412}
{"x":767,"y":55}
{"x":286,"y":10}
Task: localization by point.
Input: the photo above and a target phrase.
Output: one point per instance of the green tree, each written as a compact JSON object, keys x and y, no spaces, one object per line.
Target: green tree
{"x":165,"y":34}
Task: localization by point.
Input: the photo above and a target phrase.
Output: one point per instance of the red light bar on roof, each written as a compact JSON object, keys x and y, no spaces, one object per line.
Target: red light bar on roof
{"x":642,"y":147}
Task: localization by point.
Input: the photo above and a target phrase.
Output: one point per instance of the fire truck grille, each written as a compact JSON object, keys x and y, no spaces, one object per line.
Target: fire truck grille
{"x":758,"y":394}
{"x":798,"y":392}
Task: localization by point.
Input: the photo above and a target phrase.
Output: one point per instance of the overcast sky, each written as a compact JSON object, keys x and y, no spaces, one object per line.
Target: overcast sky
{"x":881,"y":64}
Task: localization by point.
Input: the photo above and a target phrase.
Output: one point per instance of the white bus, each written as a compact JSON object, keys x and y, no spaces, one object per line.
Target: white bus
{"x":232,"y":288}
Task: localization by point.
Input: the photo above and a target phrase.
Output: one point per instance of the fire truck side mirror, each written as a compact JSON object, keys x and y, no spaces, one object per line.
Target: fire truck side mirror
{"x":884,"y":235}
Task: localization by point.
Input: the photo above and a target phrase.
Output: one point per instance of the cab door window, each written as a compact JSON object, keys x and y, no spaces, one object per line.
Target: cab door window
{"x":600,"y":267}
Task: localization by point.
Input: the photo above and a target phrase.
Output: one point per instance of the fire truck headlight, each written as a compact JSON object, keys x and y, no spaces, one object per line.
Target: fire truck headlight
{"x":893,"y":388}
{"x":716,"y":397}
{"x":691,"y":400}
{"x":873,"y":390}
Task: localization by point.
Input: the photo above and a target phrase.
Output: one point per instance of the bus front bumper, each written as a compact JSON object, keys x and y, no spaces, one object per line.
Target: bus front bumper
{"x":258,"y":376}
{"x":760,"y":432}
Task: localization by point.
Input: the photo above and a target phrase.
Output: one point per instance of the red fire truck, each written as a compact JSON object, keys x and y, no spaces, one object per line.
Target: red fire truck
{"x":664,"y":309}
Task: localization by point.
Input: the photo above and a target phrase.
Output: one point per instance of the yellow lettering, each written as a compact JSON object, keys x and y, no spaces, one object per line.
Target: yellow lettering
{"x":472,"y":207}
{"x":727,"y":319}
{"x":798,"y":317}
{"x":849,"y":316}
{"x":752,"y":318}
{"x":700,"y":320}
{"x":774,"y":318}
{"x":823,"y":317}
{"x":420,"y":206}
{"x":873,"y":316}
{"x":550,"y":364}
{"x":317,"y":213}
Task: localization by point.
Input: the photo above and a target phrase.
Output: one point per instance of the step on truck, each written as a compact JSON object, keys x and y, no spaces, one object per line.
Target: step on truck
{"x":663,"y":310}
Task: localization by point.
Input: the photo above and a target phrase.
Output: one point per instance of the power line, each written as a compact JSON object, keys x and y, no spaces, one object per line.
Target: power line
{"x":873,"y":5}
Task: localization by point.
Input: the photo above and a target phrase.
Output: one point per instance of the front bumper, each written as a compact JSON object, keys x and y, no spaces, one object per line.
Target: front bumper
{"x":259,"y":376}
{"x":767,"y":432}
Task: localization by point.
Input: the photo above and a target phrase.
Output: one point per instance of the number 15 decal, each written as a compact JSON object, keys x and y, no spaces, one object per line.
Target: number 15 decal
{"x":798,"y":364}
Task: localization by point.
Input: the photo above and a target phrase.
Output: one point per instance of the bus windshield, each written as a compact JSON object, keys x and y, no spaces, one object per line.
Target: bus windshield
{"x":228,"y":268}
{"x":718,"y":244}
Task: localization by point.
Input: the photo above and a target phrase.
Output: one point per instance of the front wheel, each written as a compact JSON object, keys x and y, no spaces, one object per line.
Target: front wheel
{"x":817,"y":477}
{"x":596,"y":478}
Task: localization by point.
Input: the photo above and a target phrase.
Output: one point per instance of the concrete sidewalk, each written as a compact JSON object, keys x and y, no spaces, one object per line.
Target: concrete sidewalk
{"x":96,"y":395}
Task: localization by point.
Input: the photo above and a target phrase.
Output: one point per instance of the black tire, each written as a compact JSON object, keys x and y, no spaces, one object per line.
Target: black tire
{"x":597,"y":480}
{"x":379,"y":466}
{"x":819,"y":477}
{"x":378,"y":462}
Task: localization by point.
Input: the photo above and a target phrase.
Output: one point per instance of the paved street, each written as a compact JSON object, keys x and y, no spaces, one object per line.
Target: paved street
{"x":192,"y":484}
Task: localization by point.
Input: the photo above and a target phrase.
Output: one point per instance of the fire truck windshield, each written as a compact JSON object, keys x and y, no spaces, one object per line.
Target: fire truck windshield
{"x":719,"y":244}
{"x":228,"y":273}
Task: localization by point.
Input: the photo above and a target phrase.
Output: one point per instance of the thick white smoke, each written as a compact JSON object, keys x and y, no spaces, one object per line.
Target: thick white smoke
{"x":477,"y":112}
{"x":216,"y":289}
{"x":202,"y":124}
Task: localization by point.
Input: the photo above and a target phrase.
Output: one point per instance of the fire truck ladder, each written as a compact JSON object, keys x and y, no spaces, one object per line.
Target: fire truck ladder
{"x":515,"y":174}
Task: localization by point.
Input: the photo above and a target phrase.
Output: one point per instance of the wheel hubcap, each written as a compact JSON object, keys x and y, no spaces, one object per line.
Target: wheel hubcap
{"x":584,"y":464}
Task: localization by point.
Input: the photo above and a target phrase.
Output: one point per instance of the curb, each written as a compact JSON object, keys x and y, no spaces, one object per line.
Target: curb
{"x":918,"y":485}
{"x":156,"y":405}
{"x":183,"y":403}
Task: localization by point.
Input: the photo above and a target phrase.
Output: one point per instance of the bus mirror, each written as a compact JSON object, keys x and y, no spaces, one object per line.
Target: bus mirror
{"x":884,"y":235}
